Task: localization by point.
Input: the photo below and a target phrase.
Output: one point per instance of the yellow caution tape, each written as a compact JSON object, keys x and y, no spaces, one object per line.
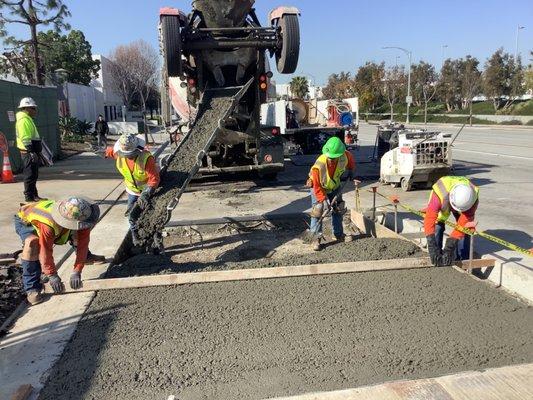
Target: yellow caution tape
{"x":470,"y":232}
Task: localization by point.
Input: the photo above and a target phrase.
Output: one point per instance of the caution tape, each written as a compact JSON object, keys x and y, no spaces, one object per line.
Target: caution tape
{"x":467,"y":231}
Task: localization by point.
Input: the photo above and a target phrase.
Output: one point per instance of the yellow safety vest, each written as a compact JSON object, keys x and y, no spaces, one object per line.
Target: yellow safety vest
{"x":136,"y":180}
{"x":327,"y":182}
{"x":26,"y":130}
{"x":41,"y":212}
{"x":442,"y":189}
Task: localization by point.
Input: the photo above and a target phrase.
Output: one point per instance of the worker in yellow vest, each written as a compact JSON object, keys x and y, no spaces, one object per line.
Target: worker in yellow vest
{"x":30,"y":147}
{"x":138,"y":167}
{"x":325,"y":181}
{"x":450,"y":195}
{"x":44,"y":224}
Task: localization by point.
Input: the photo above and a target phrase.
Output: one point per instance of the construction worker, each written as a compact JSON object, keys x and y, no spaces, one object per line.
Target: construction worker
{"x":46,"y":223}
{"x":325,"y":181}
{"x":138,"y":167}
{"x":30,"y":146}
{"x":450,"y":195}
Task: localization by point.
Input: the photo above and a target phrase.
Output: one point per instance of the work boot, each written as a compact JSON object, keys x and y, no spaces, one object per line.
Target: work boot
{"x":94,"y":259}
{"x":34,"y":297}
{"x":317,"y":245}
{"x":342,"y":238}
{"x":38,"y":198}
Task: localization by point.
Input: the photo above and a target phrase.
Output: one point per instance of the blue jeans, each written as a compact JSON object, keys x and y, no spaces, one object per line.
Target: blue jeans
{"x":132,"y":199}
{"x":31,"y":270}
{"x":336,"y":218}
{"x":463,"y":246}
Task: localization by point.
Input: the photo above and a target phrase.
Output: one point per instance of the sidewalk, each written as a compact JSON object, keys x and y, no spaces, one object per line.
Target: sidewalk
{"x":84,"y":174}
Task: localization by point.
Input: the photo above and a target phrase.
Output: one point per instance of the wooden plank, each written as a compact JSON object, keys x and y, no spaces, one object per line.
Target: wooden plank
{"x":255,"y":273}
{"x":23,"y":392}
{"x":369,"y":227}
{"x":248,"y":274}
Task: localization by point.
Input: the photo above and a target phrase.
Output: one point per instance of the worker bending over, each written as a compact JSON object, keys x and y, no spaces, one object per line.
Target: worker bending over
{"x":450,"y":195}
{"x":46,"y":223}
{"x":325,"y":181}
{"x":138,"y":167}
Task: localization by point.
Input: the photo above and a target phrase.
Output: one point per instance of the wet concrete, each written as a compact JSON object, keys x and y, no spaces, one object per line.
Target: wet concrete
{"x":256,"y":255}
{"x":153,"y":219}
{"x":256,"y":339}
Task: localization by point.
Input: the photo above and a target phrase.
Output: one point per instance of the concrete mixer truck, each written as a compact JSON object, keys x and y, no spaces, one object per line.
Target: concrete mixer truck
{"x":221,"y":44}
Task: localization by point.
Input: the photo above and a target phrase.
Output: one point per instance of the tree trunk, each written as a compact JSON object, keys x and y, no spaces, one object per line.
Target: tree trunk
{"x":425,"y":112}
{"x":470,"y":112}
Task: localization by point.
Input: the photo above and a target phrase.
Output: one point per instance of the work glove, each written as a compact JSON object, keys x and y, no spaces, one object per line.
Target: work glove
{"x":435,"y":254}
{"x":143,"y":198}
{"x":55,"y":281}
{"x":75,"y":280}
{"x":317,"y":210}
{"x":350,"y":175}
{"x":449,"y":252}
{"x":339,"y":207}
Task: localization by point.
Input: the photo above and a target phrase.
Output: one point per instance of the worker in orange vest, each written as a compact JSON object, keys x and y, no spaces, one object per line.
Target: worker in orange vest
{"x":450,"y":195}
{"x":138,"y":167}
{"x":325,"y":181}
{"x":42,"y":225}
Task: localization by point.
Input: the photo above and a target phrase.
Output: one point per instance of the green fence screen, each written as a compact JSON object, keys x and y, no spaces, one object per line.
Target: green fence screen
{"x":46,"y":121}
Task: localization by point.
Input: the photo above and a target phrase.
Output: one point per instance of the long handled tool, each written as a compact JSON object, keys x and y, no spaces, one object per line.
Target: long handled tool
{"x":310,"y":236}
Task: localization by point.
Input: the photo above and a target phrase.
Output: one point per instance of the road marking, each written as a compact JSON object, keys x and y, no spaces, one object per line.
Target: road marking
{"x":494,"y":154}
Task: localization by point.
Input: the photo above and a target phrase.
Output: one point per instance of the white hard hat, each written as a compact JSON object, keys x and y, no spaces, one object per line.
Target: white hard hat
{"x":128,"y":144}
{"x":462,"y":197}
{"x":76,"y":213}
{"x":27,"y":102}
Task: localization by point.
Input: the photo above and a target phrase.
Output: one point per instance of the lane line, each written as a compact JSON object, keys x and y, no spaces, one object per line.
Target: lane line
{"x":494,"y":154}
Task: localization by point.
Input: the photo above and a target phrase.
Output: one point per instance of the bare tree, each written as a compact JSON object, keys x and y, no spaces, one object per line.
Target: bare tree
{"x":470,"y":82}
{"x":121,"y":77}
{"x":32,"y":13}
{"x":394,"y":82}
{"x":425,"y":84}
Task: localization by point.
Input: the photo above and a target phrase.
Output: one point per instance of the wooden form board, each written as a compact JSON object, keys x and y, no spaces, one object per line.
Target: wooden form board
{"x":256,"y":273}
{"x":369,"y":227}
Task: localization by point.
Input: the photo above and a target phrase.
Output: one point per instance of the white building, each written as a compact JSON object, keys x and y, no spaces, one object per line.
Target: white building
{"x":111,"y":101}
{"x":284,"y":90}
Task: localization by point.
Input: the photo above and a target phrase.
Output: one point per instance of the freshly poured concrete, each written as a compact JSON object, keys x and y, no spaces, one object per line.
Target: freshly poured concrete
{"x":259,"y":339}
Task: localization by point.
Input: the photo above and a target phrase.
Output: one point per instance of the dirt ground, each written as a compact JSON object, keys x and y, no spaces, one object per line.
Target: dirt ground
{"x":257,"y":339}
{"x":11,"y":293}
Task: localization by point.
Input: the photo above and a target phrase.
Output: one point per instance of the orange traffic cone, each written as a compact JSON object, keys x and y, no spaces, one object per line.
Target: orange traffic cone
{"x":7,"y":174}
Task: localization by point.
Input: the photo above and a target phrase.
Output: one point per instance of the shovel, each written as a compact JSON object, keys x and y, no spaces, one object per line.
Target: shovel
{"x":310,"y":236}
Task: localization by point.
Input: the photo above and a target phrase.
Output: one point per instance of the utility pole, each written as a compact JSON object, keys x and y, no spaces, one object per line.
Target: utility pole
{"x":518,"y":28}
{"x":408,"y":99}
{"x":444,"y":46}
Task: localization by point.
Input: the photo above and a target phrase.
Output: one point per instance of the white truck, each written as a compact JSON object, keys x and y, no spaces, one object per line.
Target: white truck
{"x":305,"y":125}
{"x":420,"y":159}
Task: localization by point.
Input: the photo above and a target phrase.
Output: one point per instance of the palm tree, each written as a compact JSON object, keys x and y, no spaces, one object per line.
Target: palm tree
{"x":299,"y":86}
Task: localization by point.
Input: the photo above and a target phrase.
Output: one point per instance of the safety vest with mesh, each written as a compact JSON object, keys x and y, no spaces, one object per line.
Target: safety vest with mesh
{"x":442,"y":189}
{"x":329,"y":183}
{"x":41,"y":212}
{"x":134,"y":180}
{"x":26,"y":130}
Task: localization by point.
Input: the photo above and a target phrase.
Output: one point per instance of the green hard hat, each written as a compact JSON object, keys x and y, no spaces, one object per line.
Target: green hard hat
{"x":334,"y":148}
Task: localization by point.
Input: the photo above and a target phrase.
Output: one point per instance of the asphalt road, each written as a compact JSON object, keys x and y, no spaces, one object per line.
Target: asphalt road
{"x":500,"y":162}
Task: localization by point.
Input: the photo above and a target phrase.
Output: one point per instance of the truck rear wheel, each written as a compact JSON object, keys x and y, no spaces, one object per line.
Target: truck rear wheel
{"x":170,"y":26}
{"x":287,"y":56}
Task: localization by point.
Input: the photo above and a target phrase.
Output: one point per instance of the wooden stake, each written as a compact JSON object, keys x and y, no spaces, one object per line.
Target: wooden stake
{"x":23,"y":392}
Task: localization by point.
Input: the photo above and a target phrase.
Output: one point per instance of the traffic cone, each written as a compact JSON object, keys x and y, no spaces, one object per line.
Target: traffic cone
{"x":7,"y":174}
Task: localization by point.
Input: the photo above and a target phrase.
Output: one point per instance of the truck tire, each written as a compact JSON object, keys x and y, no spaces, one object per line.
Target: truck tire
{"x":287,"y":56}
{"x":406,"y":184}
{"x":170,"y":27}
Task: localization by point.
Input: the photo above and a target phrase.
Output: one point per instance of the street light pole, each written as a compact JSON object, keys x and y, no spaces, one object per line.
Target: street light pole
{"x":518,"y":28}
{"x":444,"y":46}
{"x":408,"y":98}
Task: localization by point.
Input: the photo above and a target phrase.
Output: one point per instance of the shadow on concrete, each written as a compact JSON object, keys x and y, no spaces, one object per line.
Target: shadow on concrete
{"x":81,"y":357}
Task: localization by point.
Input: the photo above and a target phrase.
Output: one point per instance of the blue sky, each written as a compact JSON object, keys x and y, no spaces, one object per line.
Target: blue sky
{"x":339,"y":35}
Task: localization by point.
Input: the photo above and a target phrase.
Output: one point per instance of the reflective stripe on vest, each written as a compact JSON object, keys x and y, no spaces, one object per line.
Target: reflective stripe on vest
{"x":136,"y":180}
{"x":327,"y":182}
{"x":41,"y":212}
{"x":442,"y":189}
